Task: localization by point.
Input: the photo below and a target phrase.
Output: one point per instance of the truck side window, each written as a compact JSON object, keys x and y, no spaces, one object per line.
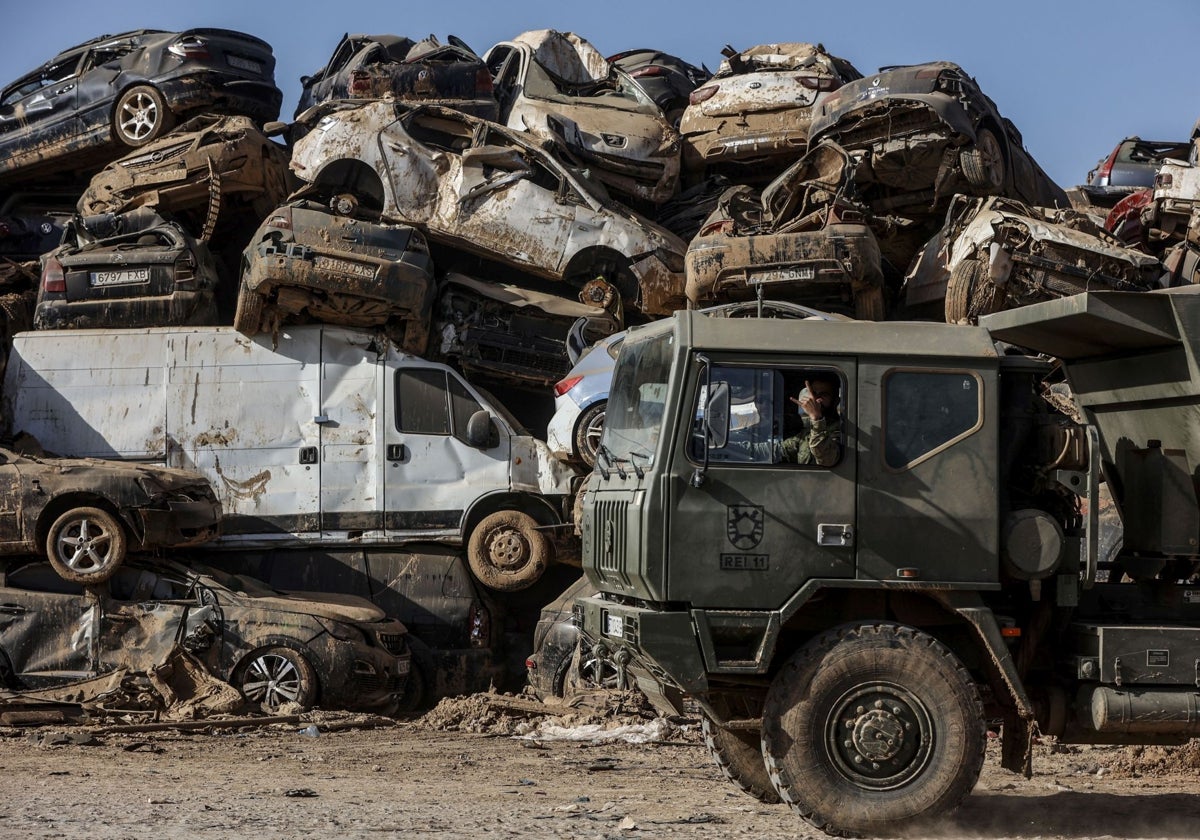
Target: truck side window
{"x":421,"y":405}
{"x":925,"y":411}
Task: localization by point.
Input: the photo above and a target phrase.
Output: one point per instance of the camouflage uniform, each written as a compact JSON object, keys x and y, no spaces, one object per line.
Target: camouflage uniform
{"x":818,"y":444}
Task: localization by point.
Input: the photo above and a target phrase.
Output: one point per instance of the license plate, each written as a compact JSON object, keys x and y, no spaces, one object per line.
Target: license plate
{"x":402,"y":667}
{"x":117,"y":278}
{"x":790,"y":275}
{"x":614,"y":625}
{"x":344,"y":267}
{"x":244,"y":63}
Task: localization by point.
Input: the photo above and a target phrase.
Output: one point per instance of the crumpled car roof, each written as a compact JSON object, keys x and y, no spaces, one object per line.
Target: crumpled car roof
{"x":566,"y":55}
{"x":795,"y":55}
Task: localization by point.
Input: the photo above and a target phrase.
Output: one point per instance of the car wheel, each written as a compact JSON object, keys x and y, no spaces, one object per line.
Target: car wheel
{"x":247,"y":318}
{"x":141,"y":115}
{"x":274,"y":676}
{"x":983,"y":163}
{"x":873,"y":727}
{"x":970,"y":294}
{"x":739,"y":757}
{"x":869,"y":304}
{"x":588,"y":430}
{"x":507,"y":552}
{"x":416,"y":688}
{"x":86,"y":545}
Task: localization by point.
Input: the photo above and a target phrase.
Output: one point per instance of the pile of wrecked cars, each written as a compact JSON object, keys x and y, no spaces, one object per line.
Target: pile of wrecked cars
{"x":315,"y":318}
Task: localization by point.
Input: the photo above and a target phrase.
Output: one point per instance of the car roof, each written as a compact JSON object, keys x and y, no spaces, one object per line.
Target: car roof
{"x":100,"y":39}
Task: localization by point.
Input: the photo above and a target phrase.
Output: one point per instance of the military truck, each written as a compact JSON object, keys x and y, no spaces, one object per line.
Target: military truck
{"x":852,"y":631}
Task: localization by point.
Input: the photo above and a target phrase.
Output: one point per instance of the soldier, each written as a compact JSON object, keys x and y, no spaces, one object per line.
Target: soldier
{"x":819,"y":442}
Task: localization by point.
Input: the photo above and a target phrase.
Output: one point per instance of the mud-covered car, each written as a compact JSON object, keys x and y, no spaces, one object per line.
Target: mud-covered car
{"x":480,"y":188}
{"x":558,"y":87}
{"x":562,"y":662}
{"x":996,"y":253}
{"x":32,"y":221}
{"x":135,"y":269}
{"x":930,"y":132}
{"x":120,"y":91}
{"x":508,"y":333}
{"x":276,"y":648}
{"x":306,"y":262}
{"x":198,"y":168}
{"x":803,"y":239}
{"x":751,"y":119}
{"x":86,"y":515}
{"x":665,"y":78}
{"x":374,"y":66}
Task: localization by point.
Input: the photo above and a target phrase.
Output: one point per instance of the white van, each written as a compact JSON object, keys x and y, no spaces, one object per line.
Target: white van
{"x":320,"y":435}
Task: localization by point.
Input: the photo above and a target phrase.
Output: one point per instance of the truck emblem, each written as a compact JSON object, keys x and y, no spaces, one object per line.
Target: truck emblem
{"x":744,"y":526}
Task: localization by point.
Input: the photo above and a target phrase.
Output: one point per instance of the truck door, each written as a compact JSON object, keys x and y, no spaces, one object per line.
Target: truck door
{"x":775,"y":504}
{"x":431,"y":475}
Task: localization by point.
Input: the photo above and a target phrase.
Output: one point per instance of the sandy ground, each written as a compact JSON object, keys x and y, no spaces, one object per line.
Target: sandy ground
{"x":413,"y":779}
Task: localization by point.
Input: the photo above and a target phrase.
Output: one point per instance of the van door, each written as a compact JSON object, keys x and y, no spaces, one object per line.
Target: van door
{"x":432,"y":476}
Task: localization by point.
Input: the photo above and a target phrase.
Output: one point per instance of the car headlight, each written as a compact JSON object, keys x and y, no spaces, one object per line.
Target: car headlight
{"x":342,"y":631}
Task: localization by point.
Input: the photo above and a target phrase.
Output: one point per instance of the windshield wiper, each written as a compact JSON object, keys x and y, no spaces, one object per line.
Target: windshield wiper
{"x":640,"y":472}
{"x":613,"y":460}
{"x":602,"y":452}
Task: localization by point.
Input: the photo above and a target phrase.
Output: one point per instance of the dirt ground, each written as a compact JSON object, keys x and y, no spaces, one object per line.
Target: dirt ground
{"x":468,"y":770}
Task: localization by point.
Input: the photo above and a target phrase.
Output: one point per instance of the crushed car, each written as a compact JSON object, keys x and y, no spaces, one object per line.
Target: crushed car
{"x":1130,"y":166}
{"x":307,"y":262}
{"x":95,"y":100}
{"x":135,"y":269}
{"x":558,"y":87}
{"x":665,"y":78}
{"x":480,"y":188}
{"x":751,"y":119}
{"x":996,"y":253}
{"x":32,"y":222}
{"x":804,"y":239}
{"x":375,"y":66}
{"x":279,"y":649}
{"x":86,"y":515}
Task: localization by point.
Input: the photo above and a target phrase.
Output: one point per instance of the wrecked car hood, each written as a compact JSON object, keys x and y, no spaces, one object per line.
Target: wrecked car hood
{"x":565,"y":54}
{"x":336,"y":606}
{"x":522,"y":298}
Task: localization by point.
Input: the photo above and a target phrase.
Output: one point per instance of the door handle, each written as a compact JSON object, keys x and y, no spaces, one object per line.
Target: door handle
{"x":64,"y":89}
{"x":396,"y":452}
{"x":835,"y":535}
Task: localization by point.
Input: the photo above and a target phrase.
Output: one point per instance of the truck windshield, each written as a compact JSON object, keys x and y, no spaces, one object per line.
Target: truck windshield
{"x":636,"y":399}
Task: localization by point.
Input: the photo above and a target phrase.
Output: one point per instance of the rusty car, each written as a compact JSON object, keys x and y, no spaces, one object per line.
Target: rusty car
{"x":479,"y":188}
{"x":751,"y":119}
{"x":665,"y":78}
{"x":279,"y":649}
{"x":86,"y":515}
{"x":996,"y":253}
{"x":806,"y":238}
{"x":374,"y":66}
{"x":930,"y":132}
{"x":93,"y":101}
{"x":558,"y":87}
{"x":307,"y":262}
{"x":135,"y":269}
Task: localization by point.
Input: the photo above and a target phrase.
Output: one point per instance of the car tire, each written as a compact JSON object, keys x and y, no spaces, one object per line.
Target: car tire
{"x":739,"y":757}
{"x":247,"y":318}
{"x":970,"y":294}
{"x":418,"y":686}
{"x":873,"y":727}
{"x":869,"y":304}
{"x":86,"y":545}
{"x":141,"y":115}
{"x":273,"y":676}
{"x":507,"y":552}
{"x":983,"y":163}
{"x":588,"y":429}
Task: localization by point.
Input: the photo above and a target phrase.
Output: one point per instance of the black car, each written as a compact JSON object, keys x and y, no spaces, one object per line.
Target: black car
{"x":89,"y":103}
{"x":665,"y":78}
{"x":134,"y":269}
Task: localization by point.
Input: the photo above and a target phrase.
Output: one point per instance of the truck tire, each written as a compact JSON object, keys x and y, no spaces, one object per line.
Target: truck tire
{"x":86,"y":545}
{"x":741,"y":760}
{"x":247,"y":319}
{"x":507,"y":552}
{"x":983,"y":163}
{"x":970,"y":294}
{"x":871,"y":728}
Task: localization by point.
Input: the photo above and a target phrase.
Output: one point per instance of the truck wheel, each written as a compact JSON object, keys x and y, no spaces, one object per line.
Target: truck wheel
{"x":983,"y":163}
{"x":507,"y":552}
{"x":588,"y":430}
{"x":871,"y":728}
{"x":86,"y":545}
{"x":739,"y":755}
{"x":247,"y":319}
{"x":274,"y":676}
{"x":141,"y":115}
{"x":970,"y":294}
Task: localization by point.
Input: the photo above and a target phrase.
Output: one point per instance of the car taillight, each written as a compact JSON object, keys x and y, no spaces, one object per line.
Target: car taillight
{"x":649,"y":70}
{"x":53,"y":278}
{"x":721,"y":226}
{"x":818,"y":82}
{"x":563,"y":385}
{"x":5,"y":230}
{"x":1106,"y":168}
{"x":481,"y":626}
{"x":360,"y":83}
{"x":530,"y":664}
{"x":185,"y":269}
{"x":281,"y":218}
{"x":483,"y":81}
{"x":702,"y":94}
{"x":1163,"y":179}
{"x":191,"y":47}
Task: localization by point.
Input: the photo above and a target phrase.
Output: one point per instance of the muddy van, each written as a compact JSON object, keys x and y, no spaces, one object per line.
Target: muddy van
{"x":322,"y":436}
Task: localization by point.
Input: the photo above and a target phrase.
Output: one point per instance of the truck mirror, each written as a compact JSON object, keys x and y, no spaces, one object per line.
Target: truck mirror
{"x":716,"y":416}
{"x":479,"y":430}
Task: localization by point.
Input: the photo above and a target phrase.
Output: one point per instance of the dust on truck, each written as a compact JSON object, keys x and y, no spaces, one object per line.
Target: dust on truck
{"x":851,"y":630}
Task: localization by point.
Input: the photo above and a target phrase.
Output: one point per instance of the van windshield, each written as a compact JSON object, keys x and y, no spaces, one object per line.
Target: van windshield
{"x":636,"y":399}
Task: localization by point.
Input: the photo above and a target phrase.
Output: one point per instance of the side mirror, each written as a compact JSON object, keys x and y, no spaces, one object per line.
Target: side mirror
{"x":479,"y":430}
{"x":716,"y":416}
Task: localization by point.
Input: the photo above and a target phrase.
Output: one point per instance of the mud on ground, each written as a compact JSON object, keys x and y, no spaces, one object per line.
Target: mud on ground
{"x":474,"y":769}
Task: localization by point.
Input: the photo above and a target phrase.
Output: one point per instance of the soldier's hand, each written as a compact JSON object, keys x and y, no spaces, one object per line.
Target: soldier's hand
{"x":809,"y":404}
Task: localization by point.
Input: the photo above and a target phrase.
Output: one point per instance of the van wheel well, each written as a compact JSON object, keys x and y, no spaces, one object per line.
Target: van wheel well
{"x":353,"y":178}
{"x":535,"y":507}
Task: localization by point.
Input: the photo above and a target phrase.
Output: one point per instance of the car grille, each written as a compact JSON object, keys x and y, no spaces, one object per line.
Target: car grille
{"x":393,"y":643}
{"x":156,"y":158}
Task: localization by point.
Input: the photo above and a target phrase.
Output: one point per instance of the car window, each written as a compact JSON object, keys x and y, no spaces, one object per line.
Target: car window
{"x":41,"y":577}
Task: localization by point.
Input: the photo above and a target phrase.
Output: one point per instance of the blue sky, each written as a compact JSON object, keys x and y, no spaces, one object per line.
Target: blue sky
{"x":1075,"y":77}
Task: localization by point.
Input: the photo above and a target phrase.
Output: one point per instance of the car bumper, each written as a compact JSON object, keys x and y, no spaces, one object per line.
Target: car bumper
{"x":560,"y":433}
{"x":362,"y":678}
{"x":751,"y":138}
{"x":180,"y":308}
{"x":259,"y":100}
{"x":181,"y":523}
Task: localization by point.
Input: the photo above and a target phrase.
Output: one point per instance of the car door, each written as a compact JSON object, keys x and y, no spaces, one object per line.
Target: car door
{"x":48,"y":626}
{"x":142,"y":615}
{"x":46,"y":105}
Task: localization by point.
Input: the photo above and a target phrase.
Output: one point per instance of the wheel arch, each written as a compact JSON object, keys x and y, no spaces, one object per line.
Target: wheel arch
{"x":615,"y":269}
{"x":60,"y":504}
{"x":351,"y":175}
{"x":538,"y":507}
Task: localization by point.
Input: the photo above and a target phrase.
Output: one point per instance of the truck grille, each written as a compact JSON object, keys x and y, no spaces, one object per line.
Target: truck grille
{"x":609,"y":546}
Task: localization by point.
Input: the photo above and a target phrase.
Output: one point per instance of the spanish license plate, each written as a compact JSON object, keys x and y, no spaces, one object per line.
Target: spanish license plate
{"x":791,"y":275}
{"x":614,"y":625}
{"x":344,"y":267}
{"x":244,"y":63}
{"x":118,"y":278}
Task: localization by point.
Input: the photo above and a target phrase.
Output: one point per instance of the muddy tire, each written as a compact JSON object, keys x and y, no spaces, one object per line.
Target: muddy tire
{"x":86,"y":545}
{"x":869,"y":304}
{"x":588,"y":430}
{"x":872,"y":728}
{"x":739,"y":756}
{"x":140,"y":116}
{"x":970,"y":294}
{"x":247,"y":318}
{"x":983,"y":163}
{"x":506,"y":552}
{"x":273,"y":676}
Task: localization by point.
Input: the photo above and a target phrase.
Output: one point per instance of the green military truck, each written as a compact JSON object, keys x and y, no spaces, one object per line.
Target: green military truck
{"x":851,"y":630}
